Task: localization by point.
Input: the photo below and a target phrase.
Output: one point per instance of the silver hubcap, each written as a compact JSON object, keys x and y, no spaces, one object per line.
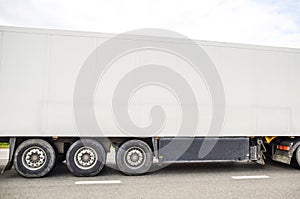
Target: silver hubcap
{"x":135,"y":157}
{"x":85,"y":158}
{"x":34,"y":158}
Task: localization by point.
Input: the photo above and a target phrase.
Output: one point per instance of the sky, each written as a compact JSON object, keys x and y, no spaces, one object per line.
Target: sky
{"x":260,"y":22}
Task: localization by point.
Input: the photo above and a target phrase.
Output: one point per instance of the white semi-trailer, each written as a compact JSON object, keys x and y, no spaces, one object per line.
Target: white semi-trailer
{"x":242,"y":104}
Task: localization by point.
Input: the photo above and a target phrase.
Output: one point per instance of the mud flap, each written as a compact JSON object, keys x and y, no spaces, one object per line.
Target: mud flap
{"x":12,"y":144}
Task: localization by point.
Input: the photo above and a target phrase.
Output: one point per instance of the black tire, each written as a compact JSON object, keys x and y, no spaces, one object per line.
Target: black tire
{"x":295,"y":162}
{"x":34,"y":158}
{"x":96,"y":157}
{"x":140,"y":150}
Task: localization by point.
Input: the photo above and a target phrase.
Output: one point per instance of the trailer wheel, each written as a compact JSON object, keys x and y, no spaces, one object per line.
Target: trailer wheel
{"x":296,"y":159}
{"x":86,"y":157}
{"x":134,"y":157}
{"x":34,"y":158}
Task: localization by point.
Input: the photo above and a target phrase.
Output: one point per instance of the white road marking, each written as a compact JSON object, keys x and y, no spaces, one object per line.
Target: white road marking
{"x":99,"y":182}
{"x":250,"y":177}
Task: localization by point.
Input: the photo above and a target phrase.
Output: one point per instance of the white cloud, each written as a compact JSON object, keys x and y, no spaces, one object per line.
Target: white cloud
{"x":244,"y":21}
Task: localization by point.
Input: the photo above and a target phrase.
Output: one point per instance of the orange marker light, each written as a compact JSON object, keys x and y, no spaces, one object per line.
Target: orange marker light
{"x":283,"y":148}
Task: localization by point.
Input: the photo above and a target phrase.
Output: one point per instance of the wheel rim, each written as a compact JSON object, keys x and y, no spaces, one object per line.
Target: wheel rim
{"x":85,"y":158}
{"x":34,"y":158}
{"x":134,"y":157}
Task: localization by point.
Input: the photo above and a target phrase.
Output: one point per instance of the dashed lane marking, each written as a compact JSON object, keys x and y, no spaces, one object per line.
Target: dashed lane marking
{"x":98,"y":182}
{"x":250,"y":177}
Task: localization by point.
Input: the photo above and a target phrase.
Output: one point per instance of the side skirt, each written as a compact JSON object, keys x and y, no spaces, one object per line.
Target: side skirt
{"x":204,"y":149}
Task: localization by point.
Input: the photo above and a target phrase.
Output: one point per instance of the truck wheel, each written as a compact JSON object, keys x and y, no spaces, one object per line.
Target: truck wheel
{"x":34,"y":158}
{"x":134,"y":157}
{"x":86,"y":157}
{"x":296,"y":160}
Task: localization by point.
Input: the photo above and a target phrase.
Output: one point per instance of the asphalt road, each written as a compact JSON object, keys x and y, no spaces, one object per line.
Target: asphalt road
{"x":197,"y":180}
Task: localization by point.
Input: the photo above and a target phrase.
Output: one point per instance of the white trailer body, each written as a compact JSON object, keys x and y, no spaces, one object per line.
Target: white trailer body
{"x":39,"y":70}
